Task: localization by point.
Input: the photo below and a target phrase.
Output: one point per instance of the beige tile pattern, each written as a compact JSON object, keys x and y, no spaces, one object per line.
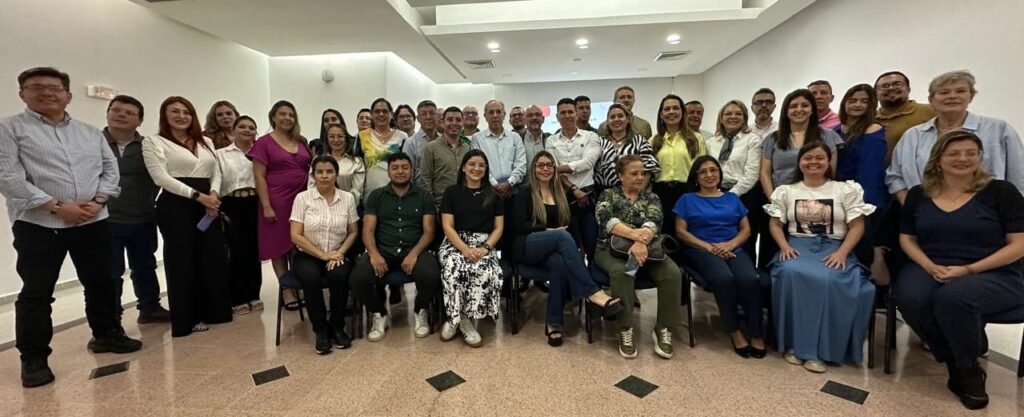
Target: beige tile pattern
{"x":209,"y":375}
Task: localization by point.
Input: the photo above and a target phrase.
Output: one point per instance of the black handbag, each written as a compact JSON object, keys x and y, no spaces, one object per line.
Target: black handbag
{"x":657,"y":250}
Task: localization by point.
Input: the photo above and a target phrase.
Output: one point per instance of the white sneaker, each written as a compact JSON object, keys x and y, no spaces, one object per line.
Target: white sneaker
{"x":815,"y":366}
{"x":469,"y":333}
{"x":256,"y":305}
{"x":422,"y":327}
{"x":790,"y":357}
{"x":240,"y":310}
{"x":448,"y":331}
{"x":379,"y":327}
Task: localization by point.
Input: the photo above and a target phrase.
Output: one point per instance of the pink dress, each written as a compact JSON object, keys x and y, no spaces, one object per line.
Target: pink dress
{"x":287,"y":175}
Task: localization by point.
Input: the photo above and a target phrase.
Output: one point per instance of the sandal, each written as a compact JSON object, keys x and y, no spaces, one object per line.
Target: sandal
{"x":200,"y":327}
{"x":292,"y":306}
{"x":610,"y":308}
{"x":554,"y":336}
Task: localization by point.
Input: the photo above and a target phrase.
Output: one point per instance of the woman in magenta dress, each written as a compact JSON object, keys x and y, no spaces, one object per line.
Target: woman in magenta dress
{"x":280,"y":162}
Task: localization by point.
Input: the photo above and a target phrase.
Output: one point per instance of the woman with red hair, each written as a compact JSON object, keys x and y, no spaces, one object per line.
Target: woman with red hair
{"x":183,"y":164}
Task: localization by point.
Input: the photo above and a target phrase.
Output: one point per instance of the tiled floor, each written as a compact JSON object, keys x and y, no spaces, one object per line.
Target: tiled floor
{"x":209,"y":375}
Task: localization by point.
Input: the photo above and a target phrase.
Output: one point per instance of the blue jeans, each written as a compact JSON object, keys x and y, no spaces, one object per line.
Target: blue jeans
{"x":140,"y":242}
{"x":556,"y":250}
{"x":734,"y":283}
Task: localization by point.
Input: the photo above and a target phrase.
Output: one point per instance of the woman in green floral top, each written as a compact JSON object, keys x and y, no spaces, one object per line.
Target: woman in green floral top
{"x":632,"y":212}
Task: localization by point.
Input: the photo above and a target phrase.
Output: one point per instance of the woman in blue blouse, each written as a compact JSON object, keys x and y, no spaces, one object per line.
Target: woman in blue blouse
{"x":713,"y":224}
{"x":964,"y":232}
{"x":862,"y":159}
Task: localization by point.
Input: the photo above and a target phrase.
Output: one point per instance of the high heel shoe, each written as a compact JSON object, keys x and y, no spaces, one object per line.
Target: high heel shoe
{"x":744,"y":352}
{"x":757,"y":353}
{"x":609,"y":309}
{"x":550,"y":333}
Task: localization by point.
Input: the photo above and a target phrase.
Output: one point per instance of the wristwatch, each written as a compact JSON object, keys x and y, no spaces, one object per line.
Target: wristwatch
{"x":100,"y":201}
{"x":195,"y":195}
{"x":487,"y":246}
{"x":56,"y":207}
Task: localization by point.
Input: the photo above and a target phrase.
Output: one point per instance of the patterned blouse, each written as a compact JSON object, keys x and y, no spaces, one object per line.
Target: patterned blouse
{"x":614,"y":207}
{"x":605,"y":175}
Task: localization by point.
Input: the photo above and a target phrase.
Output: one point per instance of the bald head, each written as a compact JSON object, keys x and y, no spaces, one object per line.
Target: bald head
{"x":534,"y":118}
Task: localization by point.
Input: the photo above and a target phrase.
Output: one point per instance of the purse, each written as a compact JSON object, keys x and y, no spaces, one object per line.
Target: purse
{"x":657,"y":250}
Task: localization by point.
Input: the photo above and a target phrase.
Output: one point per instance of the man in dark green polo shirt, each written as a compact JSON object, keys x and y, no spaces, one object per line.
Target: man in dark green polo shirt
{"x":398,"y":227}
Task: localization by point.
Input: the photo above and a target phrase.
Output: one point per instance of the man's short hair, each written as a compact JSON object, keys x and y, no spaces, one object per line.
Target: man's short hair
{"x":693,"y":102}
{"x":765,"y":90}
{"x":517,"y":107}
{"x":820,"y":82}
{"x":451,"y":109}
{"x":65,"y":79}
{"x":625,"y":87}
{"x":127,"y":100}
{"x":565,"y":101}
{"x":888,"y":73}
{"x":425,"y":103}
{"x":582,"y":98}
{"x":400,"y":156}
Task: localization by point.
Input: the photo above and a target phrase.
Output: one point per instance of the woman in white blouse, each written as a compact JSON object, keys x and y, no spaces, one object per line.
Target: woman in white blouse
{"x":323,"y":227}
{"x":183,"y":163}
{"x":351,"y":171}
{"x":738,"y":150}
{"x":241,"y":205}
{"x":821,"y":297}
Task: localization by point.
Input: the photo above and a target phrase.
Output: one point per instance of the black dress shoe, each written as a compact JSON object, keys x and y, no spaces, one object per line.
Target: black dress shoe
{"x":744,"y":352}
{"x":35,"y":373}
{"x":757,"y":353}
{"x":971,"y":383}
{"x":156,"y":315}
{"x":114,"y":341}
{"x":339,"y":338}
{"x":323,"y":343}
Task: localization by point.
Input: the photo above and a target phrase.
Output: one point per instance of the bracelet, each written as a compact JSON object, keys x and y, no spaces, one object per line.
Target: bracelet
{"x":487,"y":246}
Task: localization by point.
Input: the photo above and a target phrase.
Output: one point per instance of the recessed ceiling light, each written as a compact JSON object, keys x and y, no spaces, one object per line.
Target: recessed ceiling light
{"x":495,"y":50}
{"x":583,"y":46}
{"x":582,"y":41}
{"x":493,"y":45}
{"x":672,"y":39}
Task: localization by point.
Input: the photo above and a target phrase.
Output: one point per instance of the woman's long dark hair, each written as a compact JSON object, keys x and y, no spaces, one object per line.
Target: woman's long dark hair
{"x":485,"y":183}
{"x":688,"y":136}
{"x":295,"y":133}
{"x":349,"y":139}
{"x":798,"y":176}
{"x":391,"y":112}
{"x":691,"y":180}
{"x":856,"y":130}
{"x":813,"y":133}
{"x":194,"y":131}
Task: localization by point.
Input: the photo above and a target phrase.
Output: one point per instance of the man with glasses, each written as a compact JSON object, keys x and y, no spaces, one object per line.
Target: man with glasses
{"x":426,"y":114}
{"x":517,"y":118}
{"x":132,"y":214}
{"x":763,"y":105}
{"x":470,"y":121}
{"x":897,"y":112}
{"x":57,"y":174}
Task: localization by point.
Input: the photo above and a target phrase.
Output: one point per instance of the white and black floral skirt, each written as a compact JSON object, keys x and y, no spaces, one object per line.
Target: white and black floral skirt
{"x":471,"y":290}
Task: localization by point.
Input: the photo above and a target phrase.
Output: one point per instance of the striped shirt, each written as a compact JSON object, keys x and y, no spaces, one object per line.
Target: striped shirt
{"x":604,"y":172}
{"x":69,"y":161}
{"x":325,"y":223}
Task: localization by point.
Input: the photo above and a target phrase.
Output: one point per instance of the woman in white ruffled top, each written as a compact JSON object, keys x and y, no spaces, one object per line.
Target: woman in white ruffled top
{"x":821,"y":296}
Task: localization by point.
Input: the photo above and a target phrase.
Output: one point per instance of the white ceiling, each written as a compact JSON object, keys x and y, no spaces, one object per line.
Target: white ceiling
{"x":537,"y":37}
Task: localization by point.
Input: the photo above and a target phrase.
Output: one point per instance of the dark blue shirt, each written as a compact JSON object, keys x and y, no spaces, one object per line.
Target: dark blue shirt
{"x":863,"y":160}
{"x":711,"y":219}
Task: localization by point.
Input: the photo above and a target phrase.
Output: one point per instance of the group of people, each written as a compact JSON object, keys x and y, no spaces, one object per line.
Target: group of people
{"x":807,"y":199}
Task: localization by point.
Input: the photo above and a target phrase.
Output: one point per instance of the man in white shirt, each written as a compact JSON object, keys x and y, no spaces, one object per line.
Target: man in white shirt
{"x":470,"y":121}
{"x":506,"y":155}
{"x":762,"y":105}
{"x":534,"y":138}
{"x":576,"y":151}
{"x":695,"y":117}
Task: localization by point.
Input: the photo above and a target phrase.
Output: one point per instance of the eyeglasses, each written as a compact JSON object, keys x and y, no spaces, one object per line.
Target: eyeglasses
{"x":545,"y":165}
{"x":895,"y":85}
{"x":37,"y":88}
{"x":381,"y":111}
{"x":469,"y":113}
{"x":764,"y":103}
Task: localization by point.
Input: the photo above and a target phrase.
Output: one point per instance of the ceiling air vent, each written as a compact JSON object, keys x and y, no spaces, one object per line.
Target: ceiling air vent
{"x":671,"y":56}
{"x":480,"y":64}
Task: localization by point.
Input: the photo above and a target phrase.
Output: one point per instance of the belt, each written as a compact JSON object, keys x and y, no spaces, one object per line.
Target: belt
{"x":244,"y":192}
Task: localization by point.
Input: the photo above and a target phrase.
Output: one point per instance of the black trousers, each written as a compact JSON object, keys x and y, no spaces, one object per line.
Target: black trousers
{"x":426,"y":273}
{"x":754,"y":200}
{"x":41,"y":252}
{"x":669,"y":192}
{"x":195,"y":262}
{"x":314,"y":276}
{"x":245,"y":275}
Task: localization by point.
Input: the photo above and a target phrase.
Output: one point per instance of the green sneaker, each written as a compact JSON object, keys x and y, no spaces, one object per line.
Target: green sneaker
{"x":662,"y":342}
{"x":627,"y":345}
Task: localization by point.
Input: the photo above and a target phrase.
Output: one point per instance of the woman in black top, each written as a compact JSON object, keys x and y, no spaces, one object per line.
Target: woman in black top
{"x":964,"y":231}
{"x":541,"y":217}
{"x":473,"y":219}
